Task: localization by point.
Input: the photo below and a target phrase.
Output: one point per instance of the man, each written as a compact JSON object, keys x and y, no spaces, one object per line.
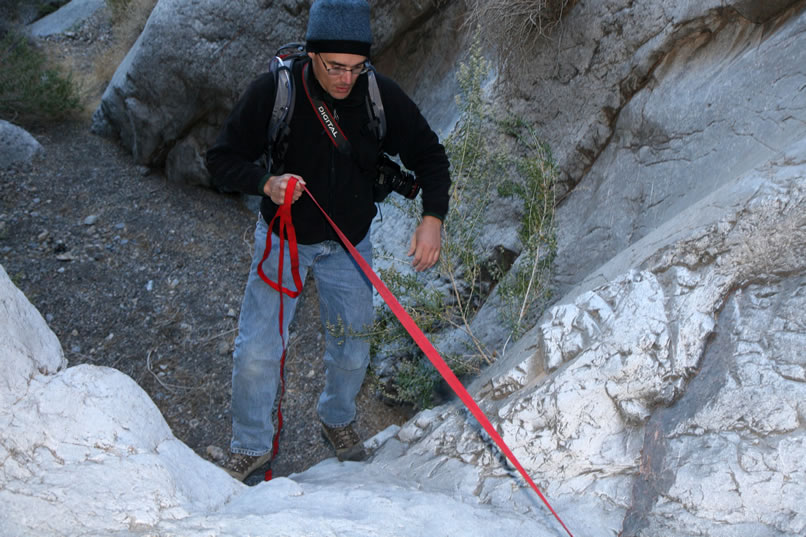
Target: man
{"x":338,"y":44}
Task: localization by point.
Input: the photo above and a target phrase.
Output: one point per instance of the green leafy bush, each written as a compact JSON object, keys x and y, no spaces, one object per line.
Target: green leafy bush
{"x":33,"y":92}
{"x":526,"y":287}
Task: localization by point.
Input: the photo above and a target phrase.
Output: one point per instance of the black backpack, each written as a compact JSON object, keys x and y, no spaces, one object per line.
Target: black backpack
{"x":281,"y":67}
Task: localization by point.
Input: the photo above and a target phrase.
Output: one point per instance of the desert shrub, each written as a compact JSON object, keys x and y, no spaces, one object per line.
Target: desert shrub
{"x":526,"y":288}
{"x":130,"y":15}
{"x":469,"y":272}
{"x":33,"y":91}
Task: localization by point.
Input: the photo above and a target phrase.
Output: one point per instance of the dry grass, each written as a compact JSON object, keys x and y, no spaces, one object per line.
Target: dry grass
{"x":129,"y":18}
{"x":513,"y":27}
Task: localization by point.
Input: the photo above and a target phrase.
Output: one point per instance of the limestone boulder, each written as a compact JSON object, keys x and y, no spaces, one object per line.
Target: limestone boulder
{"x":17,"y":146}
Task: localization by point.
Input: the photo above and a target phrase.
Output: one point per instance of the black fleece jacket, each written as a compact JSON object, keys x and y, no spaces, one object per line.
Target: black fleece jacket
{"x":341,"y":183}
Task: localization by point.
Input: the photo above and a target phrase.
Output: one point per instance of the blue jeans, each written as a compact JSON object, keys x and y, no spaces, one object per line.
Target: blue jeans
{"x":345,"y":301}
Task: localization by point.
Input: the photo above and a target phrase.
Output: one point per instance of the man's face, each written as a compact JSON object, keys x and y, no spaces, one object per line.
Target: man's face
{"x":337,"y":72}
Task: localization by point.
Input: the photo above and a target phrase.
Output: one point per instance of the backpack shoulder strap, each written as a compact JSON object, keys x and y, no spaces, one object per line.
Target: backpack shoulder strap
{"x":281,"y":66}
{"x":375,"y":105}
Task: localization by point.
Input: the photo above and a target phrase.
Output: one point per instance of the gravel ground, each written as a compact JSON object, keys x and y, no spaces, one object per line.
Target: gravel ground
{"x":138,"y":273}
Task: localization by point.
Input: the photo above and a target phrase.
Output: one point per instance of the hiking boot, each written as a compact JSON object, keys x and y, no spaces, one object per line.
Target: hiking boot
{"x":241,"y":466}
{"x":345,"y":442}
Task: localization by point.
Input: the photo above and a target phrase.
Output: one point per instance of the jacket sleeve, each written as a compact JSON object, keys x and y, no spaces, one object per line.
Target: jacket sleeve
{"x":409,"y":135}
{"x":232,"y":160}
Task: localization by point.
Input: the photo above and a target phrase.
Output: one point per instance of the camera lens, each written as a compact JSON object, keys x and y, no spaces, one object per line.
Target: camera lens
{"x":392,"y":178}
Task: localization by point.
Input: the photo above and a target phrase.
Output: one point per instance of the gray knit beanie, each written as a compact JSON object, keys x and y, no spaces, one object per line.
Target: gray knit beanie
{"x":339,"y":26}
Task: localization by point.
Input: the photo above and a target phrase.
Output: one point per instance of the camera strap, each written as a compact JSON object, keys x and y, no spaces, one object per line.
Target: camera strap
{"x":326,"y":117}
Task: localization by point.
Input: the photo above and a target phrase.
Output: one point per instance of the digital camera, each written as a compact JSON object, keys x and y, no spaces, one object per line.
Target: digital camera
{"x":392,"y":178}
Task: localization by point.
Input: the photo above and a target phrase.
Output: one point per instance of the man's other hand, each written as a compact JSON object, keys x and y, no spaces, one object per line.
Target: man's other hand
{"x":426,"y":243}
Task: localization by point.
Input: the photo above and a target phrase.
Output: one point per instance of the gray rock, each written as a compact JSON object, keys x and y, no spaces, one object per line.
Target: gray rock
{"x":727,"y":449}
{"x":185,"y":163}
{"x":66,"y":17}
{"x":609,"y":50}
{"x":17,"y":146}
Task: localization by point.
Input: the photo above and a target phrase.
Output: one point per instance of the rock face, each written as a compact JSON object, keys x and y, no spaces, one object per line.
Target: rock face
{"x":649,"y":109}
{"x":713,"y":107}
{"x":14,"y":13}
{"x":663,"y":394}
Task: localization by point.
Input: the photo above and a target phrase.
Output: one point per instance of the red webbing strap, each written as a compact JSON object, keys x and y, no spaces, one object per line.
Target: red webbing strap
{"x":283,"y":215}
{"x":432,"y":354}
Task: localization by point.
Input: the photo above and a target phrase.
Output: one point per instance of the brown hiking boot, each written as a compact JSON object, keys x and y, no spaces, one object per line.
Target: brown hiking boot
{"x":345,"y":442}
{"x":241,"y":466}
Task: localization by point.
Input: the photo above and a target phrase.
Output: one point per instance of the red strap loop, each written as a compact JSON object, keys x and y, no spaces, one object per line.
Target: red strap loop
{"x":283,"y":215}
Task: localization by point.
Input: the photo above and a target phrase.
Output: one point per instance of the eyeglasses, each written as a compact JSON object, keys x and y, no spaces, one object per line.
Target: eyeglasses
{"x":338,"y":70}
